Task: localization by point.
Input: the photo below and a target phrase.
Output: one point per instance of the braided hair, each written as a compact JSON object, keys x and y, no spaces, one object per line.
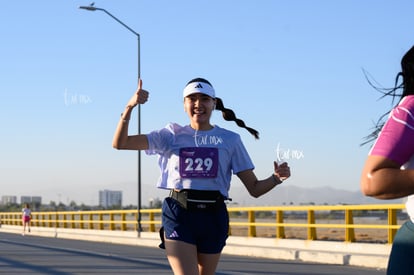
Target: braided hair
{"x":228,"y":114}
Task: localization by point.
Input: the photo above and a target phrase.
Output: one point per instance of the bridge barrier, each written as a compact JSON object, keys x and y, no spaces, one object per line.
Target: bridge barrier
{"x":276,"y":219}
{"x":120,"y":226}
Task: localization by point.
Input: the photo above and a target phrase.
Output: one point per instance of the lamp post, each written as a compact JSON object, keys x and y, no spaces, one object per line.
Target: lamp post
{"x":92,"y":8}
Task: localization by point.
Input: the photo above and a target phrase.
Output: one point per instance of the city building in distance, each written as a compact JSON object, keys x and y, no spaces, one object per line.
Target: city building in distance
{"x":109,"y":198}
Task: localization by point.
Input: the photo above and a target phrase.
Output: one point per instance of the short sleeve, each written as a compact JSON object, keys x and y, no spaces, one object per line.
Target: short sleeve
{"x":241,"y":160}
{"x":396,"y":139}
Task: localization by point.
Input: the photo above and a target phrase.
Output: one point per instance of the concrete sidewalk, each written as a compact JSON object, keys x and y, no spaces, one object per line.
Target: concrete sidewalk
{"x":355,"y":254}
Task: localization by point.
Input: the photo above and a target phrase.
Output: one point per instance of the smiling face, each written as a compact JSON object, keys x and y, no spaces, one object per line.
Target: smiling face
{"x":198,"y":107}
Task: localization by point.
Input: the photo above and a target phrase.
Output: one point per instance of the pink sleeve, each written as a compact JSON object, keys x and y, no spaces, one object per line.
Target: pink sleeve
{"x":396,"y":140}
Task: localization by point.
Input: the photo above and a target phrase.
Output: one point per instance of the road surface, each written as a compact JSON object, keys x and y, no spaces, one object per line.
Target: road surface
{"x":39,"y":255}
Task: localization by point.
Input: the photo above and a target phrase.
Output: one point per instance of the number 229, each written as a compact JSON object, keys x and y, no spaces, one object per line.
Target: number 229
{"x":198,"y":164}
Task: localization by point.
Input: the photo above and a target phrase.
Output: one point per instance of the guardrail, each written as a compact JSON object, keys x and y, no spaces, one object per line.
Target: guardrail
{"x":277,"y":218}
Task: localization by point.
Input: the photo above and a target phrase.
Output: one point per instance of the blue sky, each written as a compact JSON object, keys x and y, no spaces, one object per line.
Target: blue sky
{"x":293,"y":70}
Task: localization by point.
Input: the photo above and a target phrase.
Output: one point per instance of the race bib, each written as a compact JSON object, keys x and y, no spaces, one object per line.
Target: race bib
{"x":198,"y":162}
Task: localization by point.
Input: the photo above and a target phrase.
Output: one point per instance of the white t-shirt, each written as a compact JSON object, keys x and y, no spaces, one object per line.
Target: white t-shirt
{"x":26,"y":212}
{"x":409,"y":204}
{"x":201,"y":160}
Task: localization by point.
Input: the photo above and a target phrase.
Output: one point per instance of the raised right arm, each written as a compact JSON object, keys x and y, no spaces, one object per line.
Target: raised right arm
{"x":121,"y":139}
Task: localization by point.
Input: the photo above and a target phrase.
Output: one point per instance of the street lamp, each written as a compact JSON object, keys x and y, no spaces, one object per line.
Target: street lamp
{"x":92,"y":8}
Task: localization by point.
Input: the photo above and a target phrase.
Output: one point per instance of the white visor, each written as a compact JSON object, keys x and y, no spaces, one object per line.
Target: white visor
{"x":199,"y":87}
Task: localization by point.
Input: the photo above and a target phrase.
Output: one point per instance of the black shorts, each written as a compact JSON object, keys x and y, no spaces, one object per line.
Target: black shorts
{"x":207,"y":230}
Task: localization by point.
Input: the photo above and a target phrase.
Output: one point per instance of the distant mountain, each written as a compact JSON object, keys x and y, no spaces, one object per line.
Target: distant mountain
{"x":290,"y":194}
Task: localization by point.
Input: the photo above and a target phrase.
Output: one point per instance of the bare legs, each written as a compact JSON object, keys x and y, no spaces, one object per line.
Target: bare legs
{"x":185,"y":260}
{"x":26,"y":223}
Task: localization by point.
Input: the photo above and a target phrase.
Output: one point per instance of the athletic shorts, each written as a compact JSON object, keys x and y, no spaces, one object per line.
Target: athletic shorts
{"x":26,"y":218}
{"x":207,"y":230}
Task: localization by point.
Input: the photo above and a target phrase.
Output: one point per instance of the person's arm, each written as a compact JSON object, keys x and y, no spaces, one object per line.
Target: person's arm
{"x":256,"y":187}
{"x":382,"y":178}
{"x":121,"y":139}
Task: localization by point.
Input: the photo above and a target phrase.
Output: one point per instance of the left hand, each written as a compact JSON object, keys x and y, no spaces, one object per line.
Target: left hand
{"x":282,"y":171}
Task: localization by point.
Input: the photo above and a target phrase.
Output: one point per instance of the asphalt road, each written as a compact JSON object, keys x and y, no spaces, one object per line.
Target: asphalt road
{"x":38,"y":255}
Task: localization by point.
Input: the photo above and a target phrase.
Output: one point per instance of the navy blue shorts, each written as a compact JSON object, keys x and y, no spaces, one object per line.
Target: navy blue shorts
{"x":207,"y":230}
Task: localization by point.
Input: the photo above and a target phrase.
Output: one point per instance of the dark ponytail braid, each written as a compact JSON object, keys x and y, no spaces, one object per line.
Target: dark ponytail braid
{"x":229,"y":115}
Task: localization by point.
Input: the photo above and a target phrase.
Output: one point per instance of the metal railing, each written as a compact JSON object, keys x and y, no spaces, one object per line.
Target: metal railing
{"x":276,"y":219}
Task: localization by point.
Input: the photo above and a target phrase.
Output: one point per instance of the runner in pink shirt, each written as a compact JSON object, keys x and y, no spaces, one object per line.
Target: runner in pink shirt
{"x":388,"y":172}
